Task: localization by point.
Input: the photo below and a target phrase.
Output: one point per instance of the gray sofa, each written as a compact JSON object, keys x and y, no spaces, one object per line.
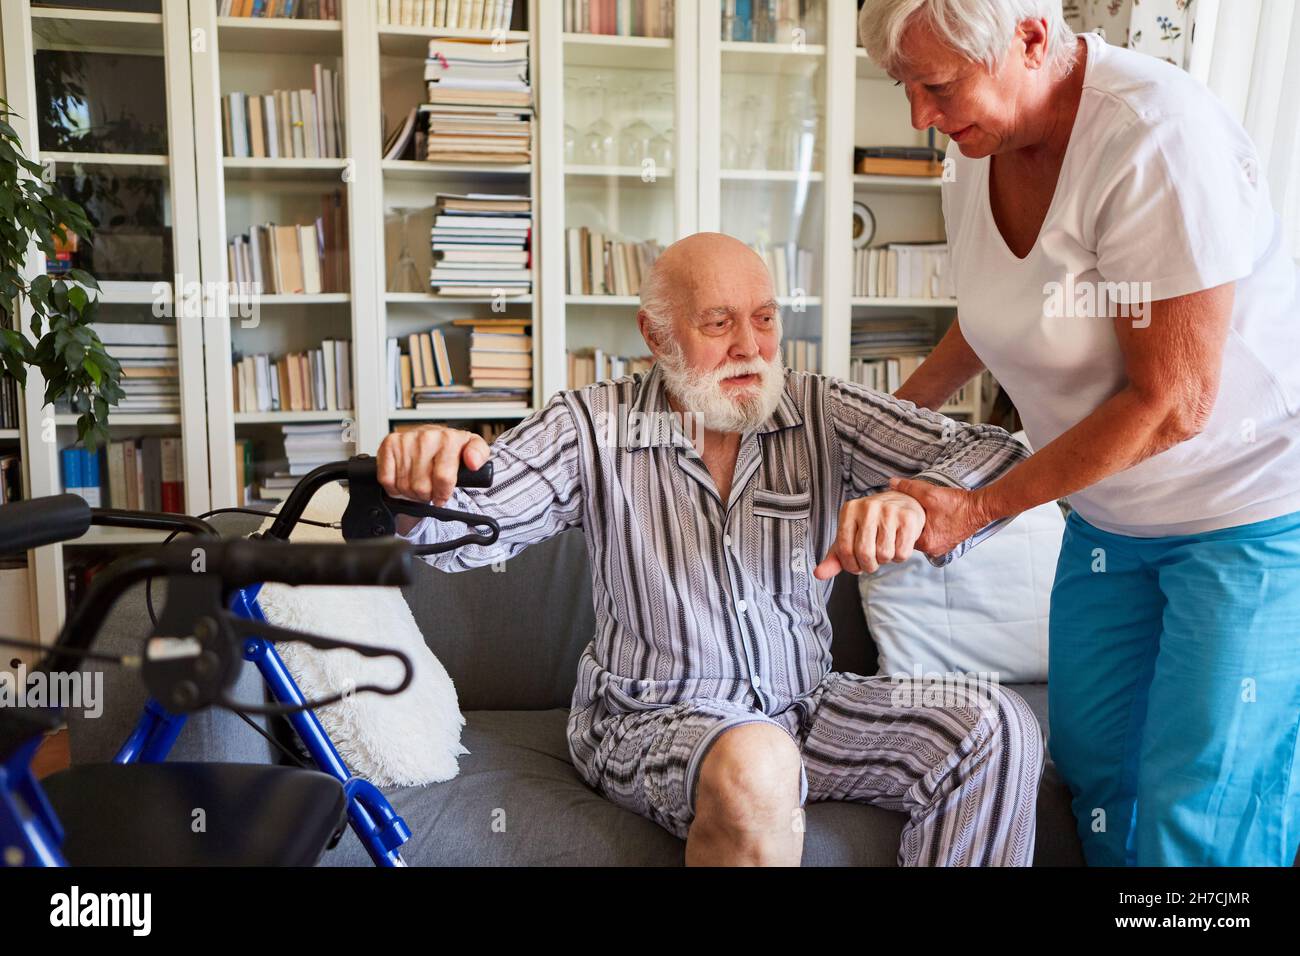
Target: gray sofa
{"x":511,"y":641}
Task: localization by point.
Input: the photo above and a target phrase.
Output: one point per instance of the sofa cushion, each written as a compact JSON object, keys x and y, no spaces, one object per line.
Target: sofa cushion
{"x":518,"y":801}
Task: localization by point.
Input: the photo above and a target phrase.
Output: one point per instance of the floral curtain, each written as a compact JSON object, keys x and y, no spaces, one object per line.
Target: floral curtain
{"x":1161,"y":28}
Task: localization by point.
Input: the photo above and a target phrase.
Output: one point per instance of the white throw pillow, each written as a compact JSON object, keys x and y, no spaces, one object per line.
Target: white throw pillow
{"x":983,"y":614}
{"x":410,"y":739}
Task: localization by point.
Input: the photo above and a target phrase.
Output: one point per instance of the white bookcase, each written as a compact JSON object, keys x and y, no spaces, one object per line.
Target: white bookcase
{"x":690,"y":80}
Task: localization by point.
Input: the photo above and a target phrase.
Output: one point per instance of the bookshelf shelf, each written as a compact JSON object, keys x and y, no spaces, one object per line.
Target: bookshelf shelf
{"x":280,"y":36}
{"x":294,"y":298}
{"x":282,"y":170}
{"x":428,"y":298}
{"x":9,"y":434}
{"x":414,"y":41}
{"x":771,"y":176}
{"x":418,"y":170}
{"x":105,"y":159}
{"x":286,"y":418}
{"x":634,"y":53}
{"x":633,"y":174}
{"x":883,"y":302}
{"x":769,"y":58}
{"x":621,"y":300}
{"x":133,"y":293}
{"x":896,"y":183}
{"x":461,"y":410}
{"x":67,"y":28}
{"x":123,"y":419}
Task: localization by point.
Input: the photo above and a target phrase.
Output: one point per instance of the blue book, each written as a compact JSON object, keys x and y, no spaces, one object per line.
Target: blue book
{"x":71,"y":471}
{"x":90,"y":480}
{"x":744,"y":29}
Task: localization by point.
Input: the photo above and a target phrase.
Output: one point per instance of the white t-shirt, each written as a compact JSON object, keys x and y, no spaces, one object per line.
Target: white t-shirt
{"x":1159,"y":185}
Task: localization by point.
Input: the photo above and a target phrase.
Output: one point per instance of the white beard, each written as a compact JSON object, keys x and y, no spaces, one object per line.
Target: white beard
{"x":701,"y":393}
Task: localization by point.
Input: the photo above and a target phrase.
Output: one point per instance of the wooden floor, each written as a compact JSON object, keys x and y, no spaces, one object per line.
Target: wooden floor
{"x":52,"y":755}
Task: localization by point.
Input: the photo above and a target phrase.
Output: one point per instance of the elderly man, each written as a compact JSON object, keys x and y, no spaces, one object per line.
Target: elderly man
{"x":706,"y":700}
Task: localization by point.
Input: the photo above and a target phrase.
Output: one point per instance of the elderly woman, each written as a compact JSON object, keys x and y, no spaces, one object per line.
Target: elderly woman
{"x":1120,"y":271}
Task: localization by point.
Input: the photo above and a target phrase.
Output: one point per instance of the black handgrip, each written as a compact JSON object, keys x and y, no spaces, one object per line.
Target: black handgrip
{"x":41,"y":521}
{"x":384,"y":562}
{"x":480,"y":477}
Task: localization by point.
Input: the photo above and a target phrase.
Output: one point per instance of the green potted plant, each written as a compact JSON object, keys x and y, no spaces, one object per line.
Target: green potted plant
{"x":67,"y":350}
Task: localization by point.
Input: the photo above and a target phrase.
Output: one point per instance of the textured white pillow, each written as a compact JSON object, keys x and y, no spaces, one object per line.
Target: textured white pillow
{"x":410,"y":739}
{"x":983,"y":614}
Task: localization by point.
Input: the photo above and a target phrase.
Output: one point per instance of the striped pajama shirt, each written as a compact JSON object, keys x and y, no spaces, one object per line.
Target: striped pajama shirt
{"x":708,"y":614}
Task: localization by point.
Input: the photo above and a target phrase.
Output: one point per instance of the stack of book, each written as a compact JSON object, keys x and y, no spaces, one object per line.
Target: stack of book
{"x":480,"y":104}
{"x":286,"y":124}
{"x":319,"y":379}
{"x":297,"y":259}
{"x":625,"y":18}
{"x":309,"y":446}
{"x":884,"y":352}
{"x":908,"y":270}
{"x":136,"y":473}
{"x":147,"y":353}
{"x":500,"y":355}
{"x":587,"y":366}
{"x":448,"y":14}
{"x":602,"y":265}
{"x":801,"y":355}
{"x":281,"y":9}
{"x":481,"y":245}
{"x":791,"y":267}
{"x":11,"y":477}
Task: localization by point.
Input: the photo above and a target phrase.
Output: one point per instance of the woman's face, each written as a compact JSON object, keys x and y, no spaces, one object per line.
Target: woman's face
{"x":981,"y":111}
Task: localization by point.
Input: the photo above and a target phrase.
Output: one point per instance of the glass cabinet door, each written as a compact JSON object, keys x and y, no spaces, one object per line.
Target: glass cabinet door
{"x":621,"y":152}
{"x":769,"y":146}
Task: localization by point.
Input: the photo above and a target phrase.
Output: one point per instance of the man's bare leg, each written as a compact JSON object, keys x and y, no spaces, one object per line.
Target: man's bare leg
{"x":747,"y":801}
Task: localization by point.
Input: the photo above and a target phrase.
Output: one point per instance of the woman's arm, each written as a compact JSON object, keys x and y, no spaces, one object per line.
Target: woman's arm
{"x":1172,"y":363}
{"x":950,"y":366}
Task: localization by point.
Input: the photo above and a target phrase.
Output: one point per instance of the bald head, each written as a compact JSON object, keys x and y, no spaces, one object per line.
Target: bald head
{"x":705,"y":273}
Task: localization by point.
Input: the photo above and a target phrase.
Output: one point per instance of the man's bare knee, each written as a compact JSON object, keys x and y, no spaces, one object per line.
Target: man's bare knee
{"x":749,"y":779}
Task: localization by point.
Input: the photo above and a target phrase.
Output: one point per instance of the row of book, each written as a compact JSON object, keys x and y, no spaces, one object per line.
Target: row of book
{"x":281,"y":9}
{"x":286,"y":124}
{"x":481,"y":245}
{"x":637,"y":18}
{"x":8,"y":401}
{"x":884,"y":374}
{"x":11,"y":477}
{"x":500,"y":365}
{"x":587,"y":366}
{"x":801,"y":355}
{"x":791,"y":267}
{"x":305,"y":259}
{"x":772,"y":21}
{"x":448,"y":14}
{"x":318,"y":379}
{"x":602,"y":265}
{"x":480,"y":103}
{"x":908,"y":270}
{"x":136,"y":473}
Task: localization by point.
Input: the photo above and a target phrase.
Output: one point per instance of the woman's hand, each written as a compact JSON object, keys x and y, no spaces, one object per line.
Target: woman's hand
{"x":951,"y":514}
{"x":873,"y":531}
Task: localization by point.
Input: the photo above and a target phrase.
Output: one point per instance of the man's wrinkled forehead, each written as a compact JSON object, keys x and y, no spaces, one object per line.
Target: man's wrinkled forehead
{"x":736,"y":285}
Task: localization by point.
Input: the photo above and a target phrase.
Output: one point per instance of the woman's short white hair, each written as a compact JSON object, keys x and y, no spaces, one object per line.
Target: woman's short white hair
{"x":980,"y":30}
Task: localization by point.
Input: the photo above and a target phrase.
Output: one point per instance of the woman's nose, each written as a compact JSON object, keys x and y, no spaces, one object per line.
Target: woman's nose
{"x":924,"y":114}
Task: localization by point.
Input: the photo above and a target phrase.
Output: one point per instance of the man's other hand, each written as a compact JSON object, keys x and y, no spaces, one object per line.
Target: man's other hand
{"x":873,"y":531}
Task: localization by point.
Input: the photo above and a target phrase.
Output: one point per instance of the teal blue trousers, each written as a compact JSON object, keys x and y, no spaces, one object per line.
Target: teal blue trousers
{"x":1174,"y":694}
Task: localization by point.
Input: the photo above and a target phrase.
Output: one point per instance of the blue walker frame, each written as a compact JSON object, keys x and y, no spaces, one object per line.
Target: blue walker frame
{"x":39,"y":838}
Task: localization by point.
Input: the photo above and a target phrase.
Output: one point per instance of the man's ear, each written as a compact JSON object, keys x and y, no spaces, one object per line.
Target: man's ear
{"x":643,"y":323}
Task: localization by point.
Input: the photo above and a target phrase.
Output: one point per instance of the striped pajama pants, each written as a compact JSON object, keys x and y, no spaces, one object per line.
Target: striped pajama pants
{"x":965,"y":770}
